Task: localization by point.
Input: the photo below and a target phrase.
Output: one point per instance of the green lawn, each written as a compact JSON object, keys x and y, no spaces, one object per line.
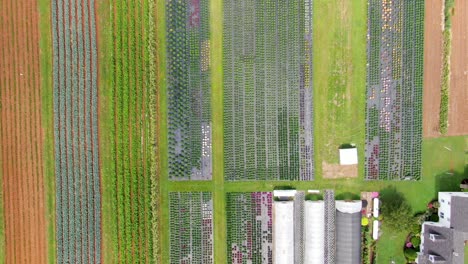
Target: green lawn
{"x":339,"y":78}
{"x":437,"y":161}
{"x":45,"y":59}
{"x":466,"y":253}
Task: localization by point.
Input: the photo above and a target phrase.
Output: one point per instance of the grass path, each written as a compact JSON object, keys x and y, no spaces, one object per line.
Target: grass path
{"x":339,"y":78}
{"x":162,"y":135}
{"x":45,"y":60}
{"x":219,"y":197}
{"x":106,"y":127}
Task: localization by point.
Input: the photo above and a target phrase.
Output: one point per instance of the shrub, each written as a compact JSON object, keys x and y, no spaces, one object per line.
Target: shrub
{"x":416,"y":241}
{"x":410,"y":253}
{"x":364,"y":221}
{"x":415,"y":228}
{"x":434,"y":218}
{"x":314,"y":197}
{"x":347,"y":196}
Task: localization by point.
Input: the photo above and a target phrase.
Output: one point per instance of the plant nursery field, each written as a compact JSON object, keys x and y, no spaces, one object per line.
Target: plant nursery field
{"x":394,"y":89}
{"x":155,"y":131}
{"x":188,"y":89}
{"x":267,"y":58}
{"x":24,"y":220}
{"x":191,"y":227}
{"x":249,"y":227}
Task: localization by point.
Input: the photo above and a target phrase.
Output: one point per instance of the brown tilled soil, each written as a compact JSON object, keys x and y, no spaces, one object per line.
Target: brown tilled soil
{"x":21,"y":133}
{"x":336,"y":171}
{"x":458,"y":97}
{"x":432,"y":66}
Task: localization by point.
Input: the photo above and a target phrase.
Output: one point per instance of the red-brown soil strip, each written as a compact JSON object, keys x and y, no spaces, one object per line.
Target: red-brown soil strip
{"x":432,"y":66}
{"x":21,"y":138}
{"x":458,"y":93}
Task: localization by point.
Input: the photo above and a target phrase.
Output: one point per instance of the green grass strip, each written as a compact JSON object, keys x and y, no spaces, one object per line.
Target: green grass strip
{"x":162,"y":167}
{"x":216,"y":64}
{"x":106,"y":125}
{"x":45,"y":59}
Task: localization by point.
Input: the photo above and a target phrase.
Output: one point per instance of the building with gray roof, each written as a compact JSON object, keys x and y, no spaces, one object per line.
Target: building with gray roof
{"x":444,"y":241}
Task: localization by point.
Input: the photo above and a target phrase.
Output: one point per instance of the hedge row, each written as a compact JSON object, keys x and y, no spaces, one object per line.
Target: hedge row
{"x":445,"y":80}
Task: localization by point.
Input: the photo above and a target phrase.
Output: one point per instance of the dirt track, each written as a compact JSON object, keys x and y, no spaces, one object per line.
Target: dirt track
{"x":458,"y":98}
{"x":21,"y":134}
{"x":432,"y":67}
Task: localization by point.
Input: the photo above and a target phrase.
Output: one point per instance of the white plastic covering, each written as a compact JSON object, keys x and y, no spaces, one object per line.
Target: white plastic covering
{"x":283,"y":232}
{"x":375,"y":230}
{"x":350,"y":207}
{"x":348,"y":156}
{"x":314,"y":232}
{"x":284,"y":193}
{"x":376,"y":207}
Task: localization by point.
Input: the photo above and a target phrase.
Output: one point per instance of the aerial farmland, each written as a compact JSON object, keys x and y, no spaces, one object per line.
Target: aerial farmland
{"x":231,"y":131}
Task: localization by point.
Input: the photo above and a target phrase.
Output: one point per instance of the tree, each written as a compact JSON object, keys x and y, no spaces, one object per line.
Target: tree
{"x":396,"y":211}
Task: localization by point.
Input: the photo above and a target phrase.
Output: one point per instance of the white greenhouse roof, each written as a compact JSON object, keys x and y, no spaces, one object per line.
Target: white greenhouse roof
{"x":284,"y":193}
{"x":283,"y":232}
{"x":314,"y":232}
{"x":349,"y":207}
{"x":376,"y":207}
{"x":348,"y":156}
{"x":375,"y":230}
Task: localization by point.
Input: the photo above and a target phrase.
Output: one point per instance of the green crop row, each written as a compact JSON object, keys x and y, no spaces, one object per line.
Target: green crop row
{"x":133,"y":83}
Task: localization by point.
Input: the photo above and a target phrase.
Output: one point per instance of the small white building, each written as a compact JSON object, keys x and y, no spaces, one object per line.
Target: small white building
{"x":348,"y":156}
{"x":283,"y":232}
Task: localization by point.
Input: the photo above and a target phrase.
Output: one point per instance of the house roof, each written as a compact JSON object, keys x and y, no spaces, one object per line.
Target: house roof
{"x":348,"y":238}
{"x":450,"y":247}
{"x":459,"y":213}
{"x":442,"y":248}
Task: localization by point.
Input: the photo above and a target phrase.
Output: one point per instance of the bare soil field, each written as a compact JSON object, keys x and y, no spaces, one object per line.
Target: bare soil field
{"x":458,"y":94}
{"x":337,"y":171}
{"x":21,"y":134}
{"x":432,"y":66}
